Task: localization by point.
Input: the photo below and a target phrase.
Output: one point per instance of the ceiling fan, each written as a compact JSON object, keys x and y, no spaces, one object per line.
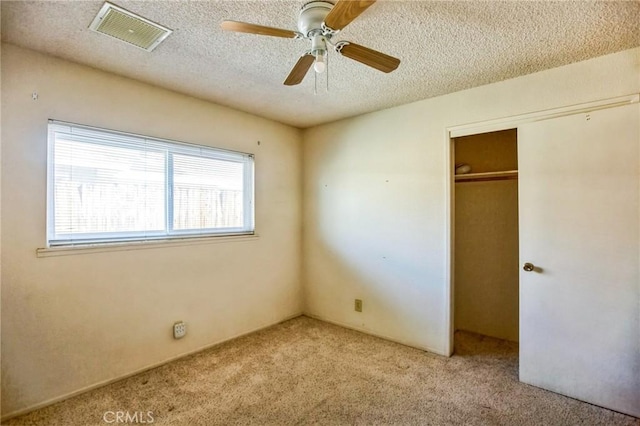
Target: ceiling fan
{"x":319,"y":21}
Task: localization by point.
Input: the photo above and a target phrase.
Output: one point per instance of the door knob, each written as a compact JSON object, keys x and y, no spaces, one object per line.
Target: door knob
{"x":528,"y":267}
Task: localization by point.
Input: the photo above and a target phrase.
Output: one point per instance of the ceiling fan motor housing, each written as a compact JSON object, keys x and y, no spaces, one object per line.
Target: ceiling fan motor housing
{"x":312,"y":16}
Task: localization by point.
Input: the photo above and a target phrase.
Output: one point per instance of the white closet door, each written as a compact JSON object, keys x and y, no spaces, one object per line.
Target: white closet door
{"x":579,"y":190}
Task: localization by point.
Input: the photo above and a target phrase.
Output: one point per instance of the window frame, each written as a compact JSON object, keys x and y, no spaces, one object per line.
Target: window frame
{"x":169,"y":148}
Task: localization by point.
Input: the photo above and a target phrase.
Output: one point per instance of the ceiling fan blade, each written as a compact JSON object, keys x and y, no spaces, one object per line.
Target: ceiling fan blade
{"x":370,"y":57}
{"x":346,"y":11}
{"x":299,"y":70}
{"x":243,"y":27}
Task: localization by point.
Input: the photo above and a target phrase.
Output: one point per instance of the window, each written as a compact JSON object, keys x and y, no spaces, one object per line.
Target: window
{"x":106,"y":186}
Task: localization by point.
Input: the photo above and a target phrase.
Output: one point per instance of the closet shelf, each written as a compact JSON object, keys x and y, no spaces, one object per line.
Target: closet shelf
{"x":476,"y":177}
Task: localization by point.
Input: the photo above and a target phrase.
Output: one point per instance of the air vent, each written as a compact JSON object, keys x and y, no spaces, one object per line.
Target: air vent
{"x":128,"y":27}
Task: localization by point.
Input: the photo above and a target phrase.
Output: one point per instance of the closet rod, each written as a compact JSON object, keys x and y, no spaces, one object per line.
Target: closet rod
{"x":477,"y":177}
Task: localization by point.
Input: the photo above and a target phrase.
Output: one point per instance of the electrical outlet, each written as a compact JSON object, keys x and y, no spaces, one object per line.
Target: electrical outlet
{"x":358,"y":305}
{"x":179,"y":330}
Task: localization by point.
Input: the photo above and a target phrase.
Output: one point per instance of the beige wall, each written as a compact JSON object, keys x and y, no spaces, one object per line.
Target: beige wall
{"x":486,"y":258}
{"x":0,"y":223}
{"x":488,"y":152}
{"x":70,"y":322}
{"x":375,"y":198}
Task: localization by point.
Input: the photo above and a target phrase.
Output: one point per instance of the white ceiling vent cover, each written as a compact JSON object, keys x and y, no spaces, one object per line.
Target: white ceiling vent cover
{"x":128,"y":27}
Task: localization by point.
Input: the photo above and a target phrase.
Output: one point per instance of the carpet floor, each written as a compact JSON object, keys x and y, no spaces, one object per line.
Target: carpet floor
{"x":306,"y":371}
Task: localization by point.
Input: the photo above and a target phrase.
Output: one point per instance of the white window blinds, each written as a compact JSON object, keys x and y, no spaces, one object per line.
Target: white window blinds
{"x":106,"y":186}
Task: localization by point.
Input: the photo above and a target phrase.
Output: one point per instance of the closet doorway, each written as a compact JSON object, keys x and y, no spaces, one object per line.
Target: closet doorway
{"x":486,"y":270}
{"x":578,"y":192}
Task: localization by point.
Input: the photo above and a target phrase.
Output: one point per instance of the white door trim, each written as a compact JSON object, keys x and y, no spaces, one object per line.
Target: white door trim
{"x":493,"y":126}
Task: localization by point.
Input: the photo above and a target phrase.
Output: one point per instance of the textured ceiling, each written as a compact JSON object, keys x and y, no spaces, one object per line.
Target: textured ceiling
{"x":445,"y":46}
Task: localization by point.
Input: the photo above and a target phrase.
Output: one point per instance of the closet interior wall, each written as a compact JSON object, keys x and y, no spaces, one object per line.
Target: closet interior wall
{"x":486,"y":236}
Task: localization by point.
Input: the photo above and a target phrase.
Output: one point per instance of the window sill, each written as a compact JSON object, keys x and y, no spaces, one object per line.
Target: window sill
{"x":141,"y":245}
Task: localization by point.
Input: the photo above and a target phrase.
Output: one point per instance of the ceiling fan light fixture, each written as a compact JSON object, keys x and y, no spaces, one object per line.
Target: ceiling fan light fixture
{"x":319,"y":50}
{"x":320,"y":65}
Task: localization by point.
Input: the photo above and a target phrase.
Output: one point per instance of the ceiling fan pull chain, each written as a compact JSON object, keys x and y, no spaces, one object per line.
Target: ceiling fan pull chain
{"x":327,"y":59}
